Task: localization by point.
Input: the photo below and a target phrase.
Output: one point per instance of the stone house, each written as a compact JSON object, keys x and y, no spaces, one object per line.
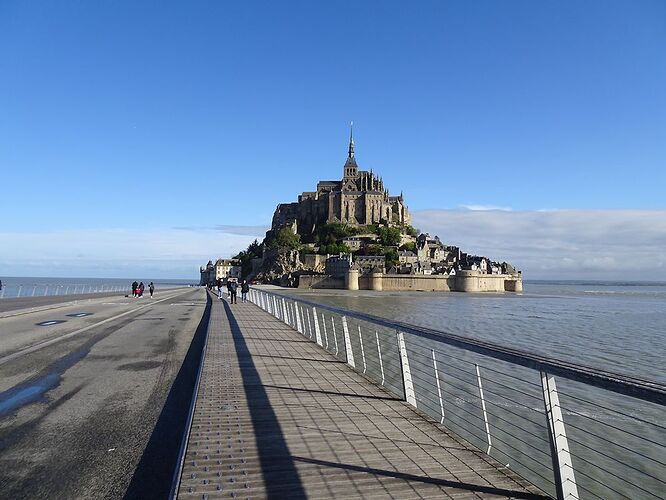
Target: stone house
{"x":407,"y":257}
{"x":338,"y":265}
{"x":227,"y":268}
{"x":367,"y":263}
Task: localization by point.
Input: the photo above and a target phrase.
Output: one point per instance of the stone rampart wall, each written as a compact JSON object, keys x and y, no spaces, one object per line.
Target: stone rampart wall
{"x":313,"y":261}
{"x":417,"y":283}
{"x":465,"y":281}
{"x":320,"y":281}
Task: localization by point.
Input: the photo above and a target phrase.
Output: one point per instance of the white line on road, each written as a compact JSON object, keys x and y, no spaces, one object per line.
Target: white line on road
{"x":40,"y":345}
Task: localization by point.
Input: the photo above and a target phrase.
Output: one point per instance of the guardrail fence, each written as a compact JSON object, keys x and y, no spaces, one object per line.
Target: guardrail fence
{"x":43,"y":290}
{"x":573,"y":431}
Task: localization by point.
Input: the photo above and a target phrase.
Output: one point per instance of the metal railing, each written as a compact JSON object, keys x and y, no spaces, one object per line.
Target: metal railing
{"x":46,"y":289}
{"x":590,"y":434}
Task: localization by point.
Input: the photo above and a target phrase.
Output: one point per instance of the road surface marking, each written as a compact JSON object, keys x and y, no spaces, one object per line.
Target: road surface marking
{"x":36,"y":347}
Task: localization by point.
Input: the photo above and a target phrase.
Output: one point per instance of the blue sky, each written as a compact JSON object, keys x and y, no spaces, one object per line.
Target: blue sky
{"x":173,"y":129}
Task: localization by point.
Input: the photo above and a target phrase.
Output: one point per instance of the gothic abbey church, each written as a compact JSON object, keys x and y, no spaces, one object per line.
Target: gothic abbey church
{"x":358,"y":199}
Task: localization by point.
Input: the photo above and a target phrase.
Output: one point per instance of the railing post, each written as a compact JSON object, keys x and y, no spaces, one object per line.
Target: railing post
{"x":316,"y":326}
{"x":335,"y":335}
{"x":307,"y":315}
{"x":565,"y":480}
{"x":483,"y":406}
{"x":360,"y":339}
{"x":407,"y":384}
{"x":379,"y":352}
{"x":18,"y":294}
{"x":348,"y":348}
{"x":323,"y":324}
{"x":299,"y":326}
{"x":439,"y":387}
{"x":285,"y":315}
{"x":290,"y":316}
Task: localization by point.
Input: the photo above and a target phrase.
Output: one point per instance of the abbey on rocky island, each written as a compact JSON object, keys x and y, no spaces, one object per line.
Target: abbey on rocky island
{"x":360,"y":198}
{"x":353,"y":234}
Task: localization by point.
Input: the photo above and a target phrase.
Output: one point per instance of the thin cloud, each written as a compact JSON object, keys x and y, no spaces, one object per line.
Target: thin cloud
{"x":565,"y":244}
{"x":258,"y":231}
{"x":485,"y":207}
{"x":169,"y":253}
{"x":590,"y":244}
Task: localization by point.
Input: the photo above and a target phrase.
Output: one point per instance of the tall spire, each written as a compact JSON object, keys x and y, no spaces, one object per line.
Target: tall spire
{"x":351,"y":140}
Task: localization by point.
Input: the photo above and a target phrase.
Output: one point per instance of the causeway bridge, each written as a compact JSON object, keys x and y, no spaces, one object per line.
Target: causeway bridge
{"x":188,"y":396}
{"x":300,"y":400}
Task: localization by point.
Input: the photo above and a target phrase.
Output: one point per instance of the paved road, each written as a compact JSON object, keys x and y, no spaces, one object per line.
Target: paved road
{"x":93,"y":403}
{"x":20,"y":305}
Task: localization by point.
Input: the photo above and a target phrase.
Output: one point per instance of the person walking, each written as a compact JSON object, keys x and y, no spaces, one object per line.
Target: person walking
{"x":229,"y":288}
{"x":134,"y":285}
{"x":244,"y":289}
{"x":142,"y":287}
{"x":233,"y":286}
{"x":151,"y":287}
{"x":219,"y":288}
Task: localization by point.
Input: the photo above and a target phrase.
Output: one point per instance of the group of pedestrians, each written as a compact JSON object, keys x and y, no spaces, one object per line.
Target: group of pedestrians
{"x":138,"y":288}
{"x":232,"y":290}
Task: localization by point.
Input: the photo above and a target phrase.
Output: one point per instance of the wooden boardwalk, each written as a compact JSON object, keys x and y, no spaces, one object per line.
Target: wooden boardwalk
{"x":276,"y":416}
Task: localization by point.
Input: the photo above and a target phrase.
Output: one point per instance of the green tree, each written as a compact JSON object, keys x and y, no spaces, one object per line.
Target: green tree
{"x":331,"y":233}
{"x":392,"y":258}
{"x":333,"y":248}
{"x":373,"y":249}
{"x":410,"y":246}
{"x":389,"y":236}
{"x":412,"y":231}
{"x":286,"y":239}
{"x":254,"y":250}
{"x":307,"y":249}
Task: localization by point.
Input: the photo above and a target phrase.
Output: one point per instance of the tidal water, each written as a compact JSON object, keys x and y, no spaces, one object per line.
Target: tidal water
{"x":38,"y":286}
{"x":618,"y":443}
{"x":613,"y":326}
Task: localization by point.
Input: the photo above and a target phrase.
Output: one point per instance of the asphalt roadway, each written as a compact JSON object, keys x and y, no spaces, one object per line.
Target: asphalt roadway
{"x":95,"y":393}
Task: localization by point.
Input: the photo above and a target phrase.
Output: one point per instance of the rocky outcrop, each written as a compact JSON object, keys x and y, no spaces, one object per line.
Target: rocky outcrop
{"x":280,"y":267}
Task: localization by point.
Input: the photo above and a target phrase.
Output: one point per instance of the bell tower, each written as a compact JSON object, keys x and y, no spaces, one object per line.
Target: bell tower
{"x":350,"y":169}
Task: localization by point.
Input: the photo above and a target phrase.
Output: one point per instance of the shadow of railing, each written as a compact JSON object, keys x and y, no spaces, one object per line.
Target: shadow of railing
{"x":153,"y":476}
{"x":277,"y":464}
